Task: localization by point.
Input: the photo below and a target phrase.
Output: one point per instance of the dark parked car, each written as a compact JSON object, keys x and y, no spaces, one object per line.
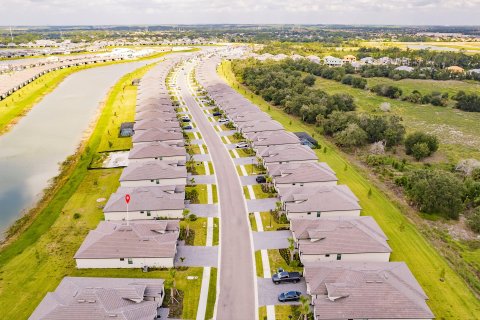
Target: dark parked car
{"x":289,"y":296}
{"x":217,"y":114}
{"x":261,"y":179}
{"x":284,"y":276}
{"x":188,"y":127}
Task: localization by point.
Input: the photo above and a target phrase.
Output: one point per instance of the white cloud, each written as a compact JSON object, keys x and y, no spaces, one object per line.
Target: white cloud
{"x":241,"y":11}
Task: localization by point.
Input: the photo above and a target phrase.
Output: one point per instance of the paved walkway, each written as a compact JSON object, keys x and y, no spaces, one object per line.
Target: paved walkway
{"x":271,"y":239}
{"x":268,"y":291}
{"x":262,"y":205}
{"x":203,"y":210}
{"x":236,"y":298}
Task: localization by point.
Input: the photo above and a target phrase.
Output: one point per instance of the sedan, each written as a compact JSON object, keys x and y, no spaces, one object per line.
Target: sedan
{"x":241,"y":145}
{"x":261,"y":179}
{"x":223,"y":120}
{"x":189,"y":127}
{"x":289,"y":296}
{"x":216,"y":114}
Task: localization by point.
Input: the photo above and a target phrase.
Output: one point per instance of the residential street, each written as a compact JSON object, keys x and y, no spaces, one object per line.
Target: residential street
{"x":236,"y":288}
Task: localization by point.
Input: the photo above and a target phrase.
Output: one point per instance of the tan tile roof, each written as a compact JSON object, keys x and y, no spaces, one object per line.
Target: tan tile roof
{"x":301,"y":172}
{"x":147,"y":198}
{"x":286,"y":153}
{"x":357,"y":290}
{"x":137,"y":239}
{"x":339,"y":235}
{"x":250,"y":116}
{"x":86,"y":298}
{"x":260,"y":125}
{"x":321,"y":198}
{"x":156,"y":114}
{"x":155,"y":134}
{"x":153,"y":170}
{"x":155,"y":123}
{"x":270,"y":138}
{"x":156,"y":150}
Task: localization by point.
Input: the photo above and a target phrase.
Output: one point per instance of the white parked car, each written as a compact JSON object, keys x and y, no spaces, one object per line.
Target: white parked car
{"x":241,"y":145}
{"x":223,"y":120}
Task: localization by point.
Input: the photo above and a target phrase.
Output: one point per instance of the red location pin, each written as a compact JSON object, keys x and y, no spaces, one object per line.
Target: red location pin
{"x":127,"y":198}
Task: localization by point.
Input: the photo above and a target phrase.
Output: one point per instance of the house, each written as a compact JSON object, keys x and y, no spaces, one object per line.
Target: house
{"x":170,"y":136}
{"x":286,"y":154}
{"x":404,"y":68}
{"x":332,"y":61}
{"x":367,"y":60}
{"x":80,"y":298}
{"x":349,"y":59}
{"x":157,"y":151}
{"x":162,"y":173}
{"x":384,"y":60}
{"x":476,"y":71}
{"x":134,"y":244}
{"x":297,"y":57}
{"x":250,"y":116}
{"x":259,"y":126}
{"x":455,"y":69}
{"x":272,"y":138}
{"x":156,"y":114}
{"x":155,"y":123}
{"x":315,"y":202}
{"x":150,"y":202}
{"x":308,"y":174}
{"x":341,"y":238}
{"x":358,"y":290}
{"x":313,"y":58}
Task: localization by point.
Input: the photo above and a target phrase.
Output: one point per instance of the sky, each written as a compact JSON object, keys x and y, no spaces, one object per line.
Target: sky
{"x":108,"y":12}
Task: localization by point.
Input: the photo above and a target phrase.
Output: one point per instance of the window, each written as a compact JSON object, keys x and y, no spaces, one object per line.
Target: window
{"x":122,"y":259}
{"x":151,"y":180}
{"x":327,"y":255}
{"x":130,"y":261}
{"x":149,"y":213}
{"x":157,"y":181}
{"x":142,"y":211}
{"x":309,"y":213}
{"x":339,"y":256}
{"x":319,"y":214}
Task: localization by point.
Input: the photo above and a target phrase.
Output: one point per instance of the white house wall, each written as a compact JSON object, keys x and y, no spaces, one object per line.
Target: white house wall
{"x":357,"y":257}
{"x":116,"y":263}
{"x":136,"y":215}
{"x":145,"y":160}
{"x":329,"y":214}
{"x":162,"y":182}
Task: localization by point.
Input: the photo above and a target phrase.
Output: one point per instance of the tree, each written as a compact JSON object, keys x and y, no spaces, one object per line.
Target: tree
{"x":309,"y":80}
{"x":352,"y":136}
{"x":185,"y":214}
{"x":291,"y":248}
{"x":304,"y":307}
{"x":433,"y":191}
{"x":474,"y":220}
{"x":420,"y":137}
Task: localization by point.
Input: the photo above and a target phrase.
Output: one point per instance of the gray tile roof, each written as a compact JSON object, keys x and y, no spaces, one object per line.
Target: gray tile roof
{"x":154,"y":107}
{"x":156,"y":134}
{"x":137,"y":239}
{"x":339,"y":235}
{"x":250,"y":116}
{"x":153,"y":170}
{"x":156,"y":150}
{"x":82,"y":298}
{"x":301,"y":172}
{"x":356,"y":290}
{"x":147,"y":198}
{"x":156,"y":114}
{"x":321,"y":198}
{"x":287,"y":153}
{"x":259,"y":125}
{"x":270,"y":138}
{"x":155,"y":123}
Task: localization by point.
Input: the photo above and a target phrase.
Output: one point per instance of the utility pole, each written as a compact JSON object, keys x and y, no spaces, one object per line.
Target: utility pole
{"x":11,"y":35}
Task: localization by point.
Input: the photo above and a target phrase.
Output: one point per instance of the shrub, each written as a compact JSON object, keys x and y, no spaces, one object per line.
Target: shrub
{"x":420,"y":150}
{"x":473,"y":220}
{"x":352,"y":136}
{"x":468,"y":102}
{"x":359,"y":83}
{"x":76,"y":215}
{"x":419,"y":137}
{"x":436,"y":192}
{"x":309,"y":80}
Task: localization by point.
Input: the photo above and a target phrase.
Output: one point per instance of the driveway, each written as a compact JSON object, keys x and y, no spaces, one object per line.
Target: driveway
{"x":268,"y":291}
{"x":245,"y":160}
{"x":226,"y":133}
{"x":271,"y":239}
{"x":203,"y":210}
{"x":201,"y":157}
{"x":196,"y":141}
{"x":248,"y":180}
{"x":262,"y":205}
{"x":202,"y":179}
{"x":196,"y":256}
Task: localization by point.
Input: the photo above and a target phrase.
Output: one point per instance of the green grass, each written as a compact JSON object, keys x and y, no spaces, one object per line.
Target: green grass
{"x":251,"y":170}
{"x":262,"y":313}
{"x":210,"y":167}
{"x":192,"y":136}
{"x":195,"y":148}
{"x":212,"y":294}
{"x":283,"y":311}
{"x":199,"y":226}
{"x":259,"y":264}
{"x":253,"y":222}
{"x":234,"y":140}
{"x":257,"y":190}
{"x":243,"y":153}
{"x":451,"y":299}
{"x":199,"y":168}
{"x":38,"y":258}
{"x":457,"y":130}
{"x":276,"y":261}
{"x":267,"y":221}
{"x":214,"y":195}
{"x":216,"y":232}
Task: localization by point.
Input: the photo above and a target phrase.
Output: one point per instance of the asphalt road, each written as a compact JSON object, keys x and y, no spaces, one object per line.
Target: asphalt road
{"x":236,"y":299}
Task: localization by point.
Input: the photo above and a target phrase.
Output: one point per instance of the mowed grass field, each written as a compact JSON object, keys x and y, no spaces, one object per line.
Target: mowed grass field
{"x":451,"y":299}
{"x":35,"y":262}
{"x":457,"y":130}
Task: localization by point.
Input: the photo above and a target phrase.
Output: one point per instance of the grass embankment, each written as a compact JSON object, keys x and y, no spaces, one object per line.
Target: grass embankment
{"x":212,"y":294}
{"x":450,"y":299}
{"x":20,"y":102}
{"x":35,"y":262}
{"x":457,"y":130}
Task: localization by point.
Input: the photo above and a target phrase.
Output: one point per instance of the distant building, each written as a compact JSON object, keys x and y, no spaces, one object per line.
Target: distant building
{"x":349,"y":59}
{"x":332,"y":61}
{"x":404,"y":68}
{"x":456,"y":69}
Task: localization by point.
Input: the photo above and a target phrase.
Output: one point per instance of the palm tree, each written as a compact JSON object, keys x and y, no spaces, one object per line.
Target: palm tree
{"x":304,"y":307}
{"x":186,"y":214}
{"x":291,"y":248}
{"x":173,"y":284}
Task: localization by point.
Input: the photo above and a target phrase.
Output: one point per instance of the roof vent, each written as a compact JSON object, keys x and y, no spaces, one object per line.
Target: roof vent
{"x":81,"y":300}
